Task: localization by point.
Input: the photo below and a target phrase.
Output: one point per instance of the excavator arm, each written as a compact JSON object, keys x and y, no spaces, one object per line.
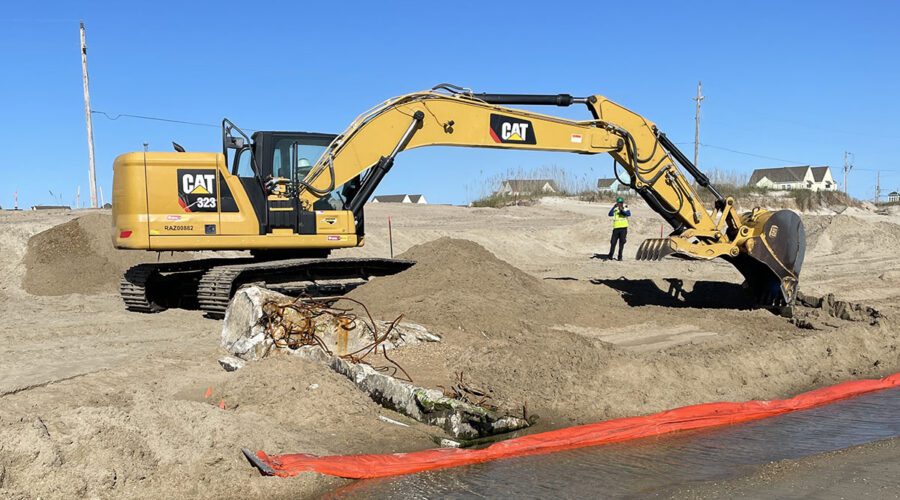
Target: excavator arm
{"x":766,"y":247}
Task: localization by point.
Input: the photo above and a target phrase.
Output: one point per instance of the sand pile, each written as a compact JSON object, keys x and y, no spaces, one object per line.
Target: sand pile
{"x":77,"y":257}
{"x":459,"y":285}
{"x":846,"y":234}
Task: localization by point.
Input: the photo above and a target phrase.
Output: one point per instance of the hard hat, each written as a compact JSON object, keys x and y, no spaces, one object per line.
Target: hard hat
{"x":302,"y":162}
{"x":620,"y":200}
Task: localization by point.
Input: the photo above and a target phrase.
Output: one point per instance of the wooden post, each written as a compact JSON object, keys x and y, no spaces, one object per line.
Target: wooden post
{"x":92,"y":177}
{"x":391,"y":236}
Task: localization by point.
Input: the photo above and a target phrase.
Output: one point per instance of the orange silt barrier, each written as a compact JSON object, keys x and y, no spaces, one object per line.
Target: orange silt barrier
{"x":611,"y":431}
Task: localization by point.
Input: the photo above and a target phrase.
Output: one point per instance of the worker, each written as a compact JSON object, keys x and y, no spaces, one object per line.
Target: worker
{"x":620,"y":214}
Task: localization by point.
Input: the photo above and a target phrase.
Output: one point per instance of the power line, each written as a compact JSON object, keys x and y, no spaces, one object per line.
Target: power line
{"x":155,"y":118}
{"x":750,"y":154}
{"x":116,"y":116}
{"x":743,"y":152}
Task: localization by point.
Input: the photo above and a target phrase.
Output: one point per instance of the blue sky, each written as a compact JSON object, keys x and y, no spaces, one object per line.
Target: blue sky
{"x":793,"y":81}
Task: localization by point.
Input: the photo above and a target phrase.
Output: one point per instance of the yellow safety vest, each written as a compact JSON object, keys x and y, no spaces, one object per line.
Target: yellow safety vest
{"x":619,"y":220}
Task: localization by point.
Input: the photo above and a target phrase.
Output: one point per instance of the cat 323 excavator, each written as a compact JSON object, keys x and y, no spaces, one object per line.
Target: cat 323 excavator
{"x":291,"y":197}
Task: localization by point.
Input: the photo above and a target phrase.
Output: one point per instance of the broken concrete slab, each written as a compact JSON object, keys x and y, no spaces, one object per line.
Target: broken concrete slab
{"x":458,"y":418}
{"x":244,"y":328}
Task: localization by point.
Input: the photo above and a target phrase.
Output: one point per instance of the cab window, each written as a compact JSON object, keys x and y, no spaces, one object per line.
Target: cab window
{"x":307,"y":156}
{"x":243,"y":167}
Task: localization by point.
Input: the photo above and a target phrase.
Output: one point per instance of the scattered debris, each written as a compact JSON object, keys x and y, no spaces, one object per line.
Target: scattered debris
{"x":231,"y":363}
{"x":391,"y":421}
{"x":848,"y":311}
{"x":465,"y":392}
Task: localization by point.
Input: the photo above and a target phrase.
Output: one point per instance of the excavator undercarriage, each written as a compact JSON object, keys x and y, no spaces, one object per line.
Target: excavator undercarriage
{"x":208,"y":284}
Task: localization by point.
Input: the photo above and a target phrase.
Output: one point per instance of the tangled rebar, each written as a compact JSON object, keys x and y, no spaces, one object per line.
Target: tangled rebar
{"x":464,"y":391}
{"x":296,"y":323}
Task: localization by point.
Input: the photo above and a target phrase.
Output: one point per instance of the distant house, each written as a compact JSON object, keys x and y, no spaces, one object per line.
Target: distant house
{"x":893,"y":197}
{"x":516,"y":187}
{"x":608,"y":185}
{"x":401,"y":198}
{"x":799,"y":177}
{"x":612,"y":186}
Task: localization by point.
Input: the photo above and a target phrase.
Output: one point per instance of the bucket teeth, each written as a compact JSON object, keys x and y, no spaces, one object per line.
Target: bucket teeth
{"x":654,"y":249}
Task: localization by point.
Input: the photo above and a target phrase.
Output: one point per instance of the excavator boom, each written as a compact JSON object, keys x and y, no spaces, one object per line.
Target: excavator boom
{"x":766,"y":247}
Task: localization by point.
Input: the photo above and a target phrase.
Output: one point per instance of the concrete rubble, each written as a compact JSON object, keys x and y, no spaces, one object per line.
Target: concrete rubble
{"x":458,"y":418}
{"x":231,"y":363}
{"x":243,"y":331}
{"x":244,"y":337}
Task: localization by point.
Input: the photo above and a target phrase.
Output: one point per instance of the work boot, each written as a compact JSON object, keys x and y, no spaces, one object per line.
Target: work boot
{"x":620,"y":258}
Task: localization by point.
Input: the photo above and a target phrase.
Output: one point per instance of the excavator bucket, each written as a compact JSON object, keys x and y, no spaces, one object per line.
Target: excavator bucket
{"x":771,"y":258}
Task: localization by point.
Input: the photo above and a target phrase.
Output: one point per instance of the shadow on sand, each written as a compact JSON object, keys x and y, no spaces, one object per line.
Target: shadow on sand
{"x":672,"y":292}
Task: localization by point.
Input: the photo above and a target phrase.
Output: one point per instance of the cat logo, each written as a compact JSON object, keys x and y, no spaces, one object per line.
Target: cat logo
{"x":198,"y":183}
{"x":509,"y":130}
{"x":197,"y":190}
{"x":773,"y":231}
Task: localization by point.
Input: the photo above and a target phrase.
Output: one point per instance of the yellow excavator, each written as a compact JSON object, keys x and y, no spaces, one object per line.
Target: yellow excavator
{"x":291,"y":197}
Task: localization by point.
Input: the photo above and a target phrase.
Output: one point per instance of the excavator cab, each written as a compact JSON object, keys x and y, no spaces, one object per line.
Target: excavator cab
{"x":270,"y":164}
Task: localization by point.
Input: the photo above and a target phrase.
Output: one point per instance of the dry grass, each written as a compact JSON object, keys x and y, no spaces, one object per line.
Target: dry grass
{"x":812,"y":200}
{"x":583,"y":187}
{"x":727,"y":182}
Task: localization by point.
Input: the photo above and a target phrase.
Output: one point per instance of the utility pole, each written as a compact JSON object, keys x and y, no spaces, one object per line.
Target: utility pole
{"x":877,"y":186}
{"x":697,"y":124}
{"x":847,"y":168}
{"x":92,"y":176}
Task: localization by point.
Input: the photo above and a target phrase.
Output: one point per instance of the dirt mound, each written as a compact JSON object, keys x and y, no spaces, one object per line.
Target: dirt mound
{"x":845,"y":234}
{"x":77,"y":257}
{"x":458,"y":284}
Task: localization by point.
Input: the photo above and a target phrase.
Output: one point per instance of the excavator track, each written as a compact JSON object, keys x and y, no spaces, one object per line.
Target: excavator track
{"x":215,"y":289}
{"x":151,"y":288}
{"x":133,"y":289}
{"x":209,"y":284}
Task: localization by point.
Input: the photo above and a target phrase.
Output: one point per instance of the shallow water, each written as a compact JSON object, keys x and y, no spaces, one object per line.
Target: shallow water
{"x":654,"y":466}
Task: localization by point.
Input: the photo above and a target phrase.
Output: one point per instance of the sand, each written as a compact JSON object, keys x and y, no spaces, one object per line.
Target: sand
{"x":459,"y":285}
{"x":103,"y":403}
{"x":577,"y":351}
{"x":78,"y":257}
